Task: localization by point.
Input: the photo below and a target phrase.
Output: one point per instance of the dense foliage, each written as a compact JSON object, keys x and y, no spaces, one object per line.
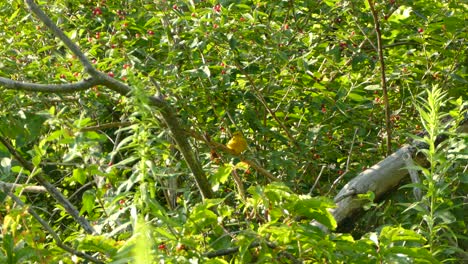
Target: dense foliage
{"x":299,"y":79}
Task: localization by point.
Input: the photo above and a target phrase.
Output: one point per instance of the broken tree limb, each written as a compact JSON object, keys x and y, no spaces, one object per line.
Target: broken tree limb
{"x":381,"y":178}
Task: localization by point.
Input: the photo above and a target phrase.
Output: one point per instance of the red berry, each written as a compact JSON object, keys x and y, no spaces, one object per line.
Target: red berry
{"x":111,"y":74}
{"x":97,"y":11}
{"x":217,"y":8}
{"x":175,"y":7}
{"x":150,"y":32}
{"x":62,"y":76}
{"x":420,"y":30}
{"x":126,"y":66}
{"x":162,"y":246}
{"x":215,"y":26}
{"x":242,"y":19}
{"x":121,"y":201}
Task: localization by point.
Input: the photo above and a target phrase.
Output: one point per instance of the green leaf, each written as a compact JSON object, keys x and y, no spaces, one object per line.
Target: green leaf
{"x":317,"y":209}
{"x":89,"y":196}
{"x":390,"y":234}
{"x":416,"y":253}
{"x":357,"y":97}
{"x":101,"y":244}
{"x":221,"y":175}
{"x":14,"y":15}
{"x":79,"y":175}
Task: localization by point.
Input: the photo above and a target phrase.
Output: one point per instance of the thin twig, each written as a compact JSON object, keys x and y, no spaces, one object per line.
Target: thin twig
{"x":239,"y":183}
{"x":49,"y":229}
{"x":335,"y":183}
{"x":317,"y":179}
{"x":262,"y":100}
{"x":383,"y":77}
{"x":106,"y":126}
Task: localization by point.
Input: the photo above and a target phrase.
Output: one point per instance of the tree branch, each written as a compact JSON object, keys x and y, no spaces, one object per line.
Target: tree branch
{"x":51,"y":88}
{"x":49,"y":229}
{"x":49,"y":187}
{"x":106,"y":126}
{"x":383,"y":78}
{"x":59,"y":33}
{"x":167,"y":111}
{"x":24,"y":188}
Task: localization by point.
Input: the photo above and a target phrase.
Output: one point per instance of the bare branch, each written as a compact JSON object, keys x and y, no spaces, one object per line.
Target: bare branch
{"x":24,"y":188}
{"x":59,"y":33}
{"x":383,"y":78}
{"x":106,"y":126}
{"x":335,"y":183}
{"x":51,"y":88}
{"x":49,"y":229}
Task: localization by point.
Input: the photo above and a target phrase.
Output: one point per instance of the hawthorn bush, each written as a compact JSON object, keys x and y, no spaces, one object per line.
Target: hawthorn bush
{"x":300,"y":79}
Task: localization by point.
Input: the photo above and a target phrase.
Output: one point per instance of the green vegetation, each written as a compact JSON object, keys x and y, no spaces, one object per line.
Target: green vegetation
{"x":116,"y":139}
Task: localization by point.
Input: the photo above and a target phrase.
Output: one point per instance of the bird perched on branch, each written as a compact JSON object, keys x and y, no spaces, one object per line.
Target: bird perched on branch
{"x":237,"y":143}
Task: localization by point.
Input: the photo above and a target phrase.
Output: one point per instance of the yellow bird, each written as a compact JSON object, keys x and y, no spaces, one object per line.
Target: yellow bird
{"x":237,"y":143}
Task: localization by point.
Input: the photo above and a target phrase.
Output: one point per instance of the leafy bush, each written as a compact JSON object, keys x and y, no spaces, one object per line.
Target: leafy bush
{"x":300,"y":80}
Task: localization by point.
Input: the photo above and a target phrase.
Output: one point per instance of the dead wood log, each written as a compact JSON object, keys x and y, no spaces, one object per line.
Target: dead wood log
{"x":381,"y":178}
